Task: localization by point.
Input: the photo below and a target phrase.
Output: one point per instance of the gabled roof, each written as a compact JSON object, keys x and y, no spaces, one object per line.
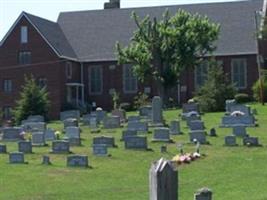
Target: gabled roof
{"x":93,"y":34}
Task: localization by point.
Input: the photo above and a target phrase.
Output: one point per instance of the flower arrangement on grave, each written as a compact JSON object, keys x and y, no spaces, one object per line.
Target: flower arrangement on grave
{"x":26,"y":135}
{"x":57,"y":133}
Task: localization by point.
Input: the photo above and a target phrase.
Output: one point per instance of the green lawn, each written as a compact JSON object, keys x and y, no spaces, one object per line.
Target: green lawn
{"x":231,"y":172}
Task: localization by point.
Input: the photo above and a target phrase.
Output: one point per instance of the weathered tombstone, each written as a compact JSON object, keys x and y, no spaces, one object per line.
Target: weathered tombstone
{"x":240,"y":107}
{"x":12,"y":134}
{"x":203,"y":194}
{"x":72,"y":132}
{"x":239,"y":131}
{"x":196,"y":125}
{"x":49,"y":135}
{"x":120,"y":113}
{"x":38,"y":139}
{"x":213,"y":132}
{"x":189,"y":107}
{"x":109,"y":141}
{"x":74,"y":141}
{"x":175,"y":128}
{"x":25,"y":146}
{"x":46,"y":160}
{"x":163,"y":181}
{"x":74,"y":114}
{"x":136,"y":143}
{"x":3,"y":148}
{"x":100,"y":115}
{"x":34,"y":126}
{"x":198,"y":136}
{"x":251,"y":141}
{"x":60,"y":147}
{"x":100,"y":150}
{"x":93,"y":124}
{"x":16,"y":158}
{"x":230,"y":140}
{"x":241,"y":120}
{"x":70,"y":122}
{"x":111,"y":122}
{"x":137,"y":126}
{"x":157,"y":117}
{"x":36,"y":118}
{"x":134,"y":118}
{"x":145,"y":111}
{"x":77,"y":161}
{"x":86,"y":119}
{"x":161,"y":135}
{"x":192,"y":117}
{"x":128,"y":133}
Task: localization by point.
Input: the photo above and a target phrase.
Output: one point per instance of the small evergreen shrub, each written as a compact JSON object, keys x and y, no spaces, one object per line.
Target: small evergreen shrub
{"x":242,"y":98}
{"x":256,"y":90}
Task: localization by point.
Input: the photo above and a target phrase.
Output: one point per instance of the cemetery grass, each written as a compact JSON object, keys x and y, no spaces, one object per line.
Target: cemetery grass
{"x":231,"y":172}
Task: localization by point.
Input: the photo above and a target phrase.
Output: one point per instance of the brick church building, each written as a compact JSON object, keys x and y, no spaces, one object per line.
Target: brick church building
{"x":75,"y":57}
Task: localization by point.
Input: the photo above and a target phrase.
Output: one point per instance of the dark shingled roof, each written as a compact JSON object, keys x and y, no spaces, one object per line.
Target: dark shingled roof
{"x":93,"y":34}
{"x":54,"y":35}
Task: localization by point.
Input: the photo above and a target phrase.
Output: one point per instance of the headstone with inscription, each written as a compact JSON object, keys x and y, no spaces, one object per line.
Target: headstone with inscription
{"x":77,"y":161}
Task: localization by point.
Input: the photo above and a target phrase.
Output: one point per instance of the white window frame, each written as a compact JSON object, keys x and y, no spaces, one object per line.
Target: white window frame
{"x":8,"y":85}
{"x":124,"y":81}
{"x":68,"y":70}
{"x":245,"y":71}
{"x":24,"y":34}
{"x":90,"y":79}
{"x":205,"y":62}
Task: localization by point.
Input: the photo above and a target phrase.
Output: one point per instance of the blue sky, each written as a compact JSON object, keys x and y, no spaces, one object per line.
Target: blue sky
{"x":49,"y":9}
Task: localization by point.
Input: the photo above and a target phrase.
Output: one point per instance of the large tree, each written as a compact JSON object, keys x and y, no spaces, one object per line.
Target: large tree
{"x":163,"y":48}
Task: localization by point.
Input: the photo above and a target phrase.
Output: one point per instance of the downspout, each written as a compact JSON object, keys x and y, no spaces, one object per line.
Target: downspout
{"x":82,"y":81}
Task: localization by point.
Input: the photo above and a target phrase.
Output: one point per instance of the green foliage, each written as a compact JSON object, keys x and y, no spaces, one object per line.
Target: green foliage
{"x":161,"y":49}
{"x":33,"y":101}
{"x":115,"y":99}
{"x":242,"y":98}
{"x":256,"y":90}
{"x":212,"y":95}
{"x":140,"y":100}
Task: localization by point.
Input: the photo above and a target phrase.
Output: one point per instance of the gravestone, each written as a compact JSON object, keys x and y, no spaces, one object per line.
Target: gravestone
{"x":74,"y":141}
{"x":77,"y":161}
{"x":86,"y":119}
{"x":230,"y":140}
{"x":190,"y":107}
{"x":25,"y":147}
{"x":100,"y":150}
{"x":134,"y":118}
{"x":192,"y":117}
{"x":12,"y":134}
{"x":120,"y":113}
{"x":3,"y":148}
{"x":50,"y":135}
{"x":38,"y":139}
{"x":112,"y":122}
{"x":93,"y":124}
{"x":242,"y":108}
{"x":251,"y":141}
{"x":157,"y":117}
{"x":34,"y":126}
{"x":228,"y":104}
{"x":163,"y":149}
{"x":175,"y":128}
{"x":241,"y":120}
{"x":46,"y":160}
{"x":60,"y":147}
{"x":137,"y":126}
{"x":72,"y":132}
{"x":213,"y":132}
{"x":136,"y":143}
{"x":100,"y":115}
{"x":74,"y":114}
{"x":239,"y":131}
{"x":203,"y":194}
{"x":161,"y":135}
{"x":36,"y":118}
{"x":128,"y":133}
{"x":163,"y":181}
{"x":145,"y":111}
{"x":198,"y":136}
{"x":196,"y":125}
{"x":109,"y":141}
{"x":70,"y":122}
{"x":16,"y":158}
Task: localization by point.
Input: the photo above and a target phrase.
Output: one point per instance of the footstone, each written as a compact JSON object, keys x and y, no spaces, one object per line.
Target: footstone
{"x":213,"y":132}
{"x":239,"y":131}
{"x":109,"y":141}
{"x":12,"y":134}
{"x":72,"y":132}
{"x":203,"y":194}
{"x":16,"y":158}
{"x":230,"y":140}
{"x":100,"y":150}
{"x":3,"y":148}
{"x":70,"y":123}
{"x":198,"y":136}
{"x":46,"y":160}
{"x":112,"y":122}
{"x":157,"y":117}
{"x":161,"y":135}
{"x":38,"y":139}
{"x":163,"y":149}
{"x":60,"y":147}
{"x":77,"y":161}
{"x":128,"y":133}
{"x":251,"y":141}
{"x":136,"y":142}
{"x":175,"y":128}
{"x":25,"y":147}
{"x":137,"y":126}
{"x":50,"y":135}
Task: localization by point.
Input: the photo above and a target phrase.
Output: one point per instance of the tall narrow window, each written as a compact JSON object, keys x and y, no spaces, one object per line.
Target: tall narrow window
{"x":69,"y":70}
{"x":239,"y":73}
{"x":42,"y":82}
{"x":7,"y":85}
{"x":96,"y":80}
{"x":129,"y":79}
{"x":7,"y":112}
{"x":24,"y":34}
{"x":25,"y":57}
{"x":201,"y":74}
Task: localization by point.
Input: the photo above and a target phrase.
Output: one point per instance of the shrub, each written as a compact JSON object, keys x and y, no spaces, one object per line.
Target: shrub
{"x":115,"y":99}
{"x":242,"y":98}
{"x":256,"y":90}
{"x":216,"y":89}
{"x":141,"y":99}
{"x":33,"y":101}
